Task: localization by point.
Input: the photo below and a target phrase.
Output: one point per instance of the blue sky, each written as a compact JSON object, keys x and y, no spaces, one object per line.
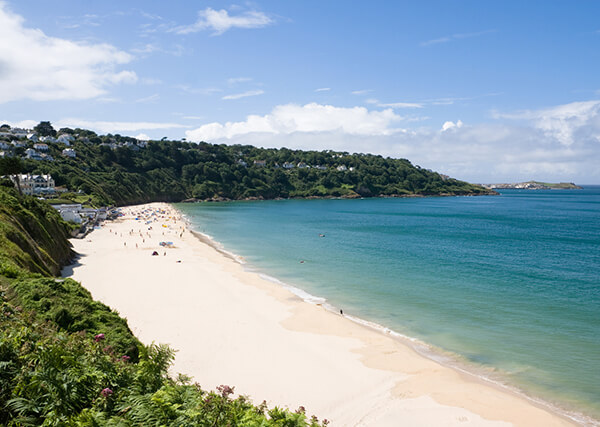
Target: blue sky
{"x":483,"y":91}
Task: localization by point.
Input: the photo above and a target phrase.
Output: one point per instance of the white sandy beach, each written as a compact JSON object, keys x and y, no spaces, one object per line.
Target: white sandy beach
{"x":230,"y":326}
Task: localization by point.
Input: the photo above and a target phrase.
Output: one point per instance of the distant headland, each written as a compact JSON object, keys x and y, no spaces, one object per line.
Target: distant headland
{"x":534,"y":185}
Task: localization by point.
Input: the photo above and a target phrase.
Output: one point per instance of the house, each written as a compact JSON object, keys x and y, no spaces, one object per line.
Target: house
{"x":65,"y":138}
{"x":302,"y":165}
{"x":32,"y":137}
{"x":30,"y":153}
{"x":288,"y":165}
{"x":131,"y":145}
{"x":69,"y":152}
{"x":242,"y":163}
{"x":19,"y":144}
{"x":36,"y":184}
{"x":48,"y":139}
{"x":41,"y":147}
{"x":261,"y":163}
{"x":4,"y":145}
{"x":342,"y":168}
{"x":70,"y":212}
{"x":321,"y":167}
{"x":18,"y":132}
{"x":47,"y":157}
{"x":142,"y":144}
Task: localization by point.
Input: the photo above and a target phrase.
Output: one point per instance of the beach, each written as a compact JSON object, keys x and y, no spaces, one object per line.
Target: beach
{"x":231,"y":326}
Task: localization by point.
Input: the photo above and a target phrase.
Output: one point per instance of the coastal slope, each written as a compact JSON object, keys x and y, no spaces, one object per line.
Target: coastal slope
{"x":231,"y":326}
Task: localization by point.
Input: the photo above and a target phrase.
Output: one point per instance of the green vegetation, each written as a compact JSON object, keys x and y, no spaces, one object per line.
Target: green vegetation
{"x":559,"y":185}
{"x":66,"y":360}
{"x":114,"y":169}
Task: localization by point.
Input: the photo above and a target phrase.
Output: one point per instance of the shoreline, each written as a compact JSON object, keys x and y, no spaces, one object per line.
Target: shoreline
{"x":424,"y":349}
{"x":375,"y":375}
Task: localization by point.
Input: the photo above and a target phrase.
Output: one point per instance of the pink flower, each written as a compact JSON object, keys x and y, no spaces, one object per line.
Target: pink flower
{"x":99,"y":337}
{"x":225,"y":390}
{"x":106,"y":392}
{"x":125,"y":358}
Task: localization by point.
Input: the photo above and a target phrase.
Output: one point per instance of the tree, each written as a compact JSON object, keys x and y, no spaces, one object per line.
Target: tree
{"x":44,"y":129}
{"x":12,"y":166}
{"x":5,"y":127}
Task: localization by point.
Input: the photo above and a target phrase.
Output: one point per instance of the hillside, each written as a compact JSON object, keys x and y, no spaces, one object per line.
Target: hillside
{"x":120,"y":170}
{"x":66,"y":359}
{"x":535,"y":185}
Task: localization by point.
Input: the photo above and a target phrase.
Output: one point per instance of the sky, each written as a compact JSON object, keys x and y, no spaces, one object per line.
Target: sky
{"x":486,"y":91}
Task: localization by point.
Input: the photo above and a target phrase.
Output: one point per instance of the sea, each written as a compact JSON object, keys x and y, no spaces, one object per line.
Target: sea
{"x":506,"y":287}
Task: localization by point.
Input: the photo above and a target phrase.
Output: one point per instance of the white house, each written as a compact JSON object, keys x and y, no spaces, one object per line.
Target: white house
{"x":19,"y":144}
{"x":261,"y":163}
{"x":32,"y":137}
{"x":18,"y":132}
{"x":41,"y":147}
{"x":70,"y":212}
{"x":69,"y":152}
{"x":47,"y":139}
{"x":321,"y":167}
{"x":342,"y":168}
{"x":4,"y":145}
{"x":65,"y":138}
{"x":302,"y":165}
{"x":36,"y":184}
{"x":30,"y":153}
{"x":288,"y":165}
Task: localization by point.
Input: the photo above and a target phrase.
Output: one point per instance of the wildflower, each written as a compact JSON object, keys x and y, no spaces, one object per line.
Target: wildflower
{"x":125,"y":358}
{"x":225,"y":390}
{"x":99,"y":337}
{"x":106,"y":392}
{"x":301,"y":410}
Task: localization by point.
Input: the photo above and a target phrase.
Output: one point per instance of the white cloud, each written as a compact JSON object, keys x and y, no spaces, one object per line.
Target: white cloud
{"x":402,"y":105}
{"x":323,"y":89}
{"x":235,"y":80}
{"x":563,"y":122}
{"x":244,"y":94}
{"x":113,"y":127}
{"x":220,"y":21}
{"x":39,"y":67}
{"x":25,"y":124}
{"x":142,"y":137}
{"x":361,"y":92}
{"x":148,"y":99}
{"x":451,"y":125}
{"x":453,"y":37}
{"x":292,"y":118}
{"x":197,"y":91}
{"x":515,"y":147}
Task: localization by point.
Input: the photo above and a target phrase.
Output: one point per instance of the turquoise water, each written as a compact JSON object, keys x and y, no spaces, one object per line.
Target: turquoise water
{"x":508,"y":284}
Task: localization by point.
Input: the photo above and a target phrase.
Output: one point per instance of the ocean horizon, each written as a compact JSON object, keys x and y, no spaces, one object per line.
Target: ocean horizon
{"x":506,"y":287}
